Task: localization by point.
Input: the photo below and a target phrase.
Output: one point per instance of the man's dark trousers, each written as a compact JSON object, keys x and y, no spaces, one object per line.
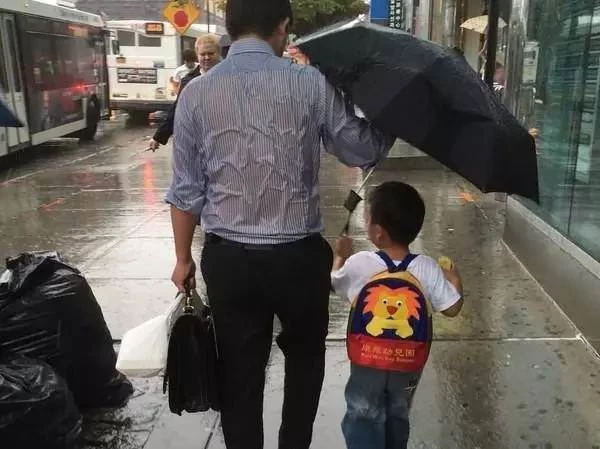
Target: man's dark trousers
{"x":247,"y":286}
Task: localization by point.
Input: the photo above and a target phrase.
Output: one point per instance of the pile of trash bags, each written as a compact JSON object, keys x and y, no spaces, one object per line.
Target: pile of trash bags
{"x":56,"y":352}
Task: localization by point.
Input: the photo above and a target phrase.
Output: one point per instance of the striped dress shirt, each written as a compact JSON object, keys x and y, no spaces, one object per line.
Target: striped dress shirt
{"x":247,"y":145}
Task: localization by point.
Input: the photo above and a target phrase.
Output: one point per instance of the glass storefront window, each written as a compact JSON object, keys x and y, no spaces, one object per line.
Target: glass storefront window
{"x":559,"y":101}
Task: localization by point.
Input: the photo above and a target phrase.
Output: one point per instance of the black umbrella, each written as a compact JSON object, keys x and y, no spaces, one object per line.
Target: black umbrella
{"x":191,"y":373}
{"x":7,"y":118}
{"x":428,"y":96}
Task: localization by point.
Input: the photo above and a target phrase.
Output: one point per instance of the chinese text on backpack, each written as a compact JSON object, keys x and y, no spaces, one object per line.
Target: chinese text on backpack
{"x":390,"y":325}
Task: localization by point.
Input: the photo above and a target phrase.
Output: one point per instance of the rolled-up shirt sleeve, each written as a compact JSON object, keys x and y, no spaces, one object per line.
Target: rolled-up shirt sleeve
{"x":353,"y":140}
{"x":188,"y":187}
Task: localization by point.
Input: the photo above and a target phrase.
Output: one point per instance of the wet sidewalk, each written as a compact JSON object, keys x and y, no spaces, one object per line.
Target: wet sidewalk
{"x":511,"y":372}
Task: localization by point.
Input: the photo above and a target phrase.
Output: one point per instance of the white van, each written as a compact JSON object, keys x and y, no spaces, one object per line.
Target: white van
{"x":142,"y":58}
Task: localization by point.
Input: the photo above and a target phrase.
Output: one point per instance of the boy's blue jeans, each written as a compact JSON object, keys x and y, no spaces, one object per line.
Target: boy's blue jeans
{"x":378,"y":405}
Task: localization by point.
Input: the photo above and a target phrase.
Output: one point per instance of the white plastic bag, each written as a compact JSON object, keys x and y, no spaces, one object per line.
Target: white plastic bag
{"x":144,"y":348}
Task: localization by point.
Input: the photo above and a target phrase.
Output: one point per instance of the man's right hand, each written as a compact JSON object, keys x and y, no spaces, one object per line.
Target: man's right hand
{"x":153,"y":145}
{"x":184,"y":276}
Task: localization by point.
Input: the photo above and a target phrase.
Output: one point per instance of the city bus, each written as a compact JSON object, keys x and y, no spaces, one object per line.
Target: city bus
{"x":52,"y":71}
{"x":141,"y":59}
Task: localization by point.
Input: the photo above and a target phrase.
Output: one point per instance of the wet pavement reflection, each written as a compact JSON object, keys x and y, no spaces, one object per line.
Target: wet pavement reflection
{"x":511,"y":372}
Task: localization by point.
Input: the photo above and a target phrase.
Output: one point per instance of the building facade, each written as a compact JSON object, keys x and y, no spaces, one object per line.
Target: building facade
{"x":440,"y":21}
{"x":553,"y":87}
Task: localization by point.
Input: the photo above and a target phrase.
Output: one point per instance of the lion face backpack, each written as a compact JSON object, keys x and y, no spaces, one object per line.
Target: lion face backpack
{"x":390,"y":325}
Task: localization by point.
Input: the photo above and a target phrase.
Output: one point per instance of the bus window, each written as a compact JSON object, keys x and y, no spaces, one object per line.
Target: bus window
{"x":42,"y":66}
{"x":85,"y":62}
{"x":12,"y":48}
{"x":126,"y":38}
{"x":147,"y":41}
{"x":66,"y":62}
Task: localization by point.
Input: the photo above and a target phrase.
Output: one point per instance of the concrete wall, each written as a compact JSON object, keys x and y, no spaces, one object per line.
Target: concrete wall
{"x":565,"y":271}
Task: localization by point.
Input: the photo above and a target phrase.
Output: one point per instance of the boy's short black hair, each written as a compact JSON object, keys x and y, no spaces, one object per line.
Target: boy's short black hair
{"x":259,"y":17}
{"x":399,"y":209}
{"x":189,"y":55}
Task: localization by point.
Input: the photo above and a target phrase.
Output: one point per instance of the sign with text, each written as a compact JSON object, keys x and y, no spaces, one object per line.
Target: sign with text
{"x":390,"y":13}
{"x":133,"y":75}
{"x":154,"y":28}
{"x":397,"y":14}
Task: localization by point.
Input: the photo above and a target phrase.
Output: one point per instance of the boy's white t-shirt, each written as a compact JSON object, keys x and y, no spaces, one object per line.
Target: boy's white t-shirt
{"x":360,"y":267}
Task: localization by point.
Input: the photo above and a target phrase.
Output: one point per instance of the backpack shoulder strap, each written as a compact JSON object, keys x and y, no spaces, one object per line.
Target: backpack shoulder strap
{"x":392,"y":267}
{"x":407,"y":261}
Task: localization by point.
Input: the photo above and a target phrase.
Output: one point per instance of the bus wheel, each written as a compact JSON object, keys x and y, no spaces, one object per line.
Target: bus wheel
{"x":93,"y":117}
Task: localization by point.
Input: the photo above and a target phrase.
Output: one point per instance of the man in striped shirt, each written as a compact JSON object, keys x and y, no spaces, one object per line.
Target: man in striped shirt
{"x":246,"y":161}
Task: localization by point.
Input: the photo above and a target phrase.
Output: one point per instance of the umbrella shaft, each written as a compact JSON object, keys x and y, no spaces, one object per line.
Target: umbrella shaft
{"x":364,"y":183}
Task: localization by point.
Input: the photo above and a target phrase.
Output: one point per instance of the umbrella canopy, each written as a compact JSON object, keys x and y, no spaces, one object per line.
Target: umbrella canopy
{"x":191,"y":373}
{"x":480,"y":24}
{"x":7,"y":118}
{"x":428,"y":96}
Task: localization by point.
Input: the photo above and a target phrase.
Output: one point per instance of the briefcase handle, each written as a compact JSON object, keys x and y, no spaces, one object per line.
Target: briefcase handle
{"x":189,"y":307}
{"x":189,"y":303}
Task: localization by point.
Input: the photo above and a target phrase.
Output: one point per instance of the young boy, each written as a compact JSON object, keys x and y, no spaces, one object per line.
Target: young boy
{"x":378,"y":398}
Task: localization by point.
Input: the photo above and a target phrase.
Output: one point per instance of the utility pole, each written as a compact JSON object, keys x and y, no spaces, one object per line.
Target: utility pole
{"x":208,"y":14}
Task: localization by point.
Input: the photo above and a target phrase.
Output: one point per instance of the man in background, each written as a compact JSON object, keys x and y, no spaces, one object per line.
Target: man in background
{"x":208,"y":52}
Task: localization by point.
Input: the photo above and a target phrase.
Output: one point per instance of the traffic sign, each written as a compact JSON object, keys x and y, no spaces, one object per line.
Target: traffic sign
{"x":181,"y":14}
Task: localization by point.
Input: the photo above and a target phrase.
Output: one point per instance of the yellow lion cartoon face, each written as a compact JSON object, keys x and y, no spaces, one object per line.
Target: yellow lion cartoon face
{"x":391,"y":309}
{"x":395,"y":304}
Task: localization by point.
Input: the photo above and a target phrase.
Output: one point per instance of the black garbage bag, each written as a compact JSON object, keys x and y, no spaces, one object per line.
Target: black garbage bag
{"x":37,"y":409}
{"x":191,"y":373}
{"x":48,"y":311}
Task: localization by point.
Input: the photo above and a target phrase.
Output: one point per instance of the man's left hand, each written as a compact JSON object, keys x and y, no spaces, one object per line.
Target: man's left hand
{"x":153,"y":145}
